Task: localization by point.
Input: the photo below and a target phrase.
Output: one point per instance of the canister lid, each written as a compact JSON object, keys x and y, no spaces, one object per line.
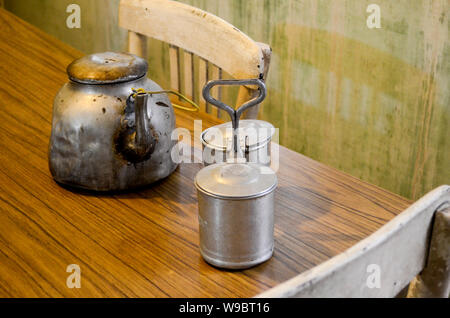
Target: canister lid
{"x":258,"y":132}
{"x":107,"y":68}
{"x":236,"y":180}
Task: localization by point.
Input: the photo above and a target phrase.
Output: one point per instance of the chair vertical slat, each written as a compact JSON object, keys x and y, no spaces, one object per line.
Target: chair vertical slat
{"x":216,"y":92}
{"x":202,"y":79}
{"x":244,"y":95}
{"x":219,"y":93}
{"x":174,"y":68}
{"x":189,"y":74}
{"x":137,"y":44}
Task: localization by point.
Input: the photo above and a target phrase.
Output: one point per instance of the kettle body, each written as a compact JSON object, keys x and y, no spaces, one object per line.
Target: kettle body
{"x":102,"y":138}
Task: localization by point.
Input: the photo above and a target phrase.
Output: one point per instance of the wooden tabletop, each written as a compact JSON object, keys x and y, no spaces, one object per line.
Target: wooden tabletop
{"x":144,"y":243}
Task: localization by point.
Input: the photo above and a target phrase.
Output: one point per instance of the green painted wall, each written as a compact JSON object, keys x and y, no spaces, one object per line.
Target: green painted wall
{"x":372,"y":102}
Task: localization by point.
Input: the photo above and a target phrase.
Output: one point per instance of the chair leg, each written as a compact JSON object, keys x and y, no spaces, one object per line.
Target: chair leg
{"x":434,"y":280}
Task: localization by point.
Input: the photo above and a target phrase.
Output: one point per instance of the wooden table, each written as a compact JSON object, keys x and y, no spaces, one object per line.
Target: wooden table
{"x":144,"y":243}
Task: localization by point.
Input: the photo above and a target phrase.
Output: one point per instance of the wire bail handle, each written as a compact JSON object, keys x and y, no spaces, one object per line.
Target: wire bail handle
{"x":235,"y":114}
{"x":194,"y":108}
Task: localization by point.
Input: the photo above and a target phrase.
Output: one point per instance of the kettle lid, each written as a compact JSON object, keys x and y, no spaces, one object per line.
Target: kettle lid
{"x":107,"y":68}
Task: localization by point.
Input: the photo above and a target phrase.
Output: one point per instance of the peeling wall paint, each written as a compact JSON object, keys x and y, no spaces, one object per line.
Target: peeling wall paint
{"x":372,"y":102}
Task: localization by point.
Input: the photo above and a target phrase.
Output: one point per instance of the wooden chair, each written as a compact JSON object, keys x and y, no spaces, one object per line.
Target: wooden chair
{"x":200,"y":33}
{"x":416,"y":242}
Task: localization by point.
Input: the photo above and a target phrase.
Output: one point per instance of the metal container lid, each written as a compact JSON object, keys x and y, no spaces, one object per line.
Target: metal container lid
{"x":107,"y":68}
{"x":258,"y":131}
{"x":236,"y":180}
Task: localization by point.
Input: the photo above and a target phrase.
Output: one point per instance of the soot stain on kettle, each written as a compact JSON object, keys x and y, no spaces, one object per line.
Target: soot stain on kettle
{"x":162,"y":104}
{"x":124,"y":144}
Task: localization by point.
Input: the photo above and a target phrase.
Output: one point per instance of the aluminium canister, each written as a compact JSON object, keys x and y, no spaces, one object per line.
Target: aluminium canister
{"x":236,"y":214}
{"x":254,"y":140}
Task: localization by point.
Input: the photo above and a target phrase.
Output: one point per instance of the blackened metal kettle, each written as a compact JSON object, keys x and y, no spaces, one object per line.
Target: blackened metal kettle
{"x":105,"y":135}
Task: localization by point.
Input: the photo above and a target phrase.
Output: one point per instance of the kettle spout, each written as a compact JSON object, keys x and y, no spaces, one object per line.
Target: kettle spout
{"x":137,"y":143}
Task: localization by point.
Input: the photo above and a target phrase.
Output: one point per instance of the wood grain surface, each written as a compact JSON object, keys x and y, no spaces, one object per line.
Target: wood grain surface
{"x":144,"y":243}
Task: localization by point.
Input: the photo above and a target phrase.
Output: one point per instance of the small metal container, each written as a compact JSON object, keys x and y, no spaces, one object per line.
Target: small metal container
{"x":236,"y":198}
{"x":254,"y":139}
{"x":236,"y":214}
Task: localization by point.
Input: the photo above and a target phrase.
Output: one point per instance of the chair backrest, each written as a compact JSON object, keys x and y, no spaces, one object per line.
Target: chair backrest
{"x":220,"y":46}
{"x":395,"y":254}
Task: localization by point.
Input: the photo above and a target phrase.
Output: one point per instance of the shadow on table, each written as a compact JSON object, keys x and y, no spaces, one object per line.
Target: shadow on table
{"x":177,"y":188}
